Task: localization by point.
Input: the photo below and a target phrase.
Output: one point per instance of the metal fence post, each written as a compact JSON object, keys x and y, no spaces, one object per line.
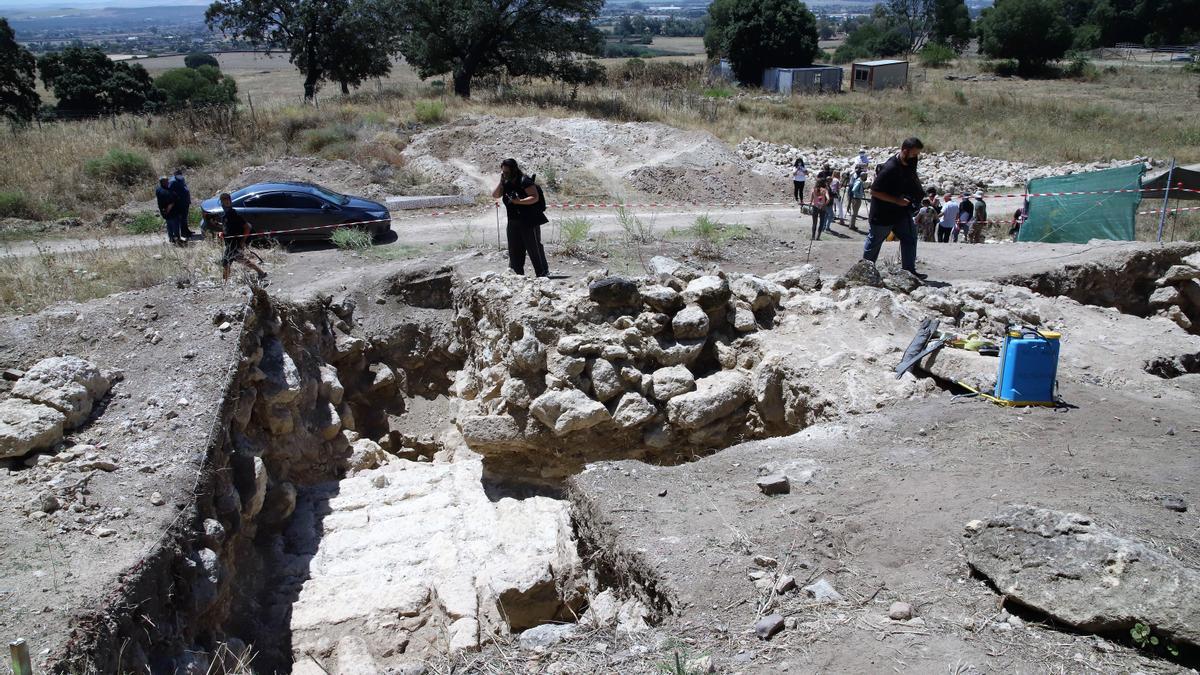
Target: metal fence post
{"x":20,"y":657}
{"x":1162,"y":216}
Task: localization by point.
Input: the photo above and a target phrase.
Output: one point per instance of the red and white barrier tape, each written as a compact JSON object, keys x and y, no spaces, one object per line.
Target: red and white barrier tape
{"x":1185,"y":208}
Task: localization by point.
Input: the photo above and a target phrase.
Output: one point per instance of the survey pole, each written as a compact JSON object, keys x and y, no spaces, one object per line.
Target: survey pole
{"x":1162,"y":216}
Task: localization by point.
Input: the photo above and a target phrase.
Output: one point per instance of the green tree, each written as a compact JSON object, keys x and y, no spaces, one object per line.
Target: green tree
{"x":201,"y":86}
{"x":877,"y":35}
{"x":759,"y":34}
{"x":1033,"y":32}
{"x":345,"y":41}
{"x":87,"y":83}
{"x":19,"y":99}
{"x":951,"y":24}
{"x":197,"y":59}
{"x":474,"y":38}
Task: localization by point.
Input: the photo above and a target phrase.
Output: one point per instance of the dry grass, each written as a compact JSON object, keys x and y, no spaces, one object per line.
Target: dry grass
{"x":30,"y":283}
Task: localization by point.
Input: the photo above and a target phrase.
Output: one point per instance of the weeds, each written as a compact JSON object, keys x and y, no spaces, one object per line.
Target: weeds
{"x":712,"y":235}
{"x":550,"y":177}
{"x":1144,"y":638}
{"x":121,"y":166}
{"x":429,"y":112}
{"x":719,"y":92}
{"x":936,"y":55}
{"x":636,"y":230}
{"x":31,"y":283}
{"x":832,"y":114}
{"x":16,"y":204}
{"x":190,"y":158}
{"x":145,"y":222}
{"x":573,"y":234}
{"x":316,"y":140}
{"x":351,"y":239}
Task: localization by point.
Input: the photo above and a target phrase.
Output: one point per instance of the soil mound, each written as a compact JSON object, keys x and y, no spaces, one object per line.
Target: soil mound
{"x":339,"y":175}
{"x":586,"y":157}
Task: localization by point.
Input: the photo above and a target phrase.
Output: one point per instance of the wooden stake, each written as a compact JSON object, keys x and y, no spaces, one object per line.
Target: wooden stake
{"x":20,"y":657}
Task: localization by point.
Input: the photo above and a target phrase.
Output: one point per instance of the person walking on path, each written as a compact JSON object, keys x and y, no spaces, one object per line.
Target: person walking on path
{"x":799,"y":177}
{"x":820,"y":208}
{"x":858,"y":190}
{"x":166,"y":204}
{"x":835,"y":198}
{"x":894,"y":194}
{"x":236,"y":232}
{"x":526,"y":209}
{"x":183,"y":202}
{"x":980,"y":217}
{"x":949,"y":219}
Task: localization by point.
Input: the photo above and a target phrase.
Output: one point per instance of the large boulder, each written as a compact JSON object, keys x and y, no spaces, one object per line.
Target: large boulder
{"x":662,"y":299}
{"x":567,"y":410}
{"x":606,"y":383}
{"x":614,"y":293}
{"x":757,"y":292}
{"x":68,"y":384}
{"x":26,"y":426}
{"x":1062,"y":564}
{"x":861,"y":273}
{"x":1178,"y":273}
{"x":805,"y":278}
{"x":691,"y":322}
{"x":667,"y":383}
{"x":715,"y":397}
{"x":1164,"y":297}
{"x":491,"y":431}
{"x":282,"y":383}
{"x":709,"y":291}
{"x":633,"y":410}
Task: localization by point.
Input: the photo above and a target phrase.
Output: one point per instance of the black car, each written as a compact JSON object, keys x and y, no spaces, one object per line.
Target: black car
{"x":290,"y":211}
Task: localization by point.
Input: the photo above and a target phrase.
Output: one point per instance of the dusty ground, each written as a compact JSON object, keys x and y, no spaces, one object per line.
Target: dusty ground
{"x":880,"y":520}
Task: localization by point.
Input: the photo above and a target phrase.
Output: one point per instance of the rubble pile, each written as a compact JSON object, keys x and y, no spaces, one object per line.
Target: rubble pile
{"x":668,"y":362}
{"x":1177,"y":294}
{"x":952,"y":171}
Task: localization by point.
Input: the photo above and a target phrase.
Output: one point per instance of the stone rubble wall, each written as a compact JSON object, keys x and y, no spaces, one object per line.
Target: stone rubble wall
{"x":662,"y":365}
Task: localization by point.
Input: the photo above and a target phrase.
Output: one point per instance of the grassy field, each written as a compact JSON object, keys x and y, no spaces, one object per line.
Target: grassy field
{"x":1122,"y":112}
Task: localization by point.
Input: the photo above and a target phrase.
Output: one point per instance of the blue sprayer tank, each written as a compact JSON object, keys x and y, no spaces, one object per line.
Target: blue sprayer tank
{"x":1028,"y":367}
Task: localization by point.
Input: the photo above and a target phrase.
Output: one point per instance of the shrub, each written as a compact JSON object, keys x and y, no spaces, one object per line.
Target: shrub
{"x":1002,"y":67}
{"x":16,"y":204}
{"x":429,"y":112}
{"x":351,"y":238}
{"x":832,"y":114}
{"x":197,"y":59}
{"x":1079,"y":67}
{"x":636,"y":230}
{"x":573,"y":232}
{"x":712,"y":235}
{"x":719,"y":92}
{"x":658,"y":74}
{"x":191,"y":158}
{"x":146,"y":222}
{"x":121,"y":166}
{"x":201,"y":86}
{"x":960,"y":97}
{"x":316,"y":140}
{"x":936,"y":55}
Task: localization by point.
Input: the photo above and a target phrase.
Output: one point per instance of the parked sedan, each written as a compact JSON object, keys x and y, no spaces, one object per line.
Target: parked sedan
{"x":290,"y":211}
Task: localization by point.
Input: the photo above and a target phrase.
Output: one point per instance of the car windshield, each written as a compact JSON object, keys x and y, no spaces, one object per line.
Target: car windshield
{"x":330,"y":195}
{"x":238,"y":195}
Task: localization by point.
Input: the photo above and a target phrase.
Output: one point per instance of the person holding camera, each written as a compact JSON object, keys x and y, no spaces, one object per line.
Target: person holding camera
{"x":235,"y":232}
{"x":895,"y":197}
{"x":525,"y":205}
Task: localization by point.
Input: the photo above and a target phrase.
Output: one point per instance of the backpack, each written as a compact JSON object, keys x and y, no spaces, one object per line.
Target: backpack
{"x":820,"y":200}
{"x":536,"y":211}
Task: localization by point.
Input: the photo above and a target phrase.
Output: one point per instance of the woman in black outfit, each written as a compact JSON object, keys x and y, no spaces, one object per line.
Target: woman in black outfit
{"x":523,"y":201}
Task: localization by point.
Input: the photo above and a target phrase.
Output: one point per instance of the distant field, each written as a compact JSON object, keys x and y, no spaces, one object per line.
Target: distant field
{"x":272,"y":78}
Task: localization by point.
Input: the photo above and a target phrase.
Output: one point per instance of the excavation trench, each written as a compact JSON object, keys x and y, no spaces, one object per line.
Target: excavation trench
{"x":389,"y":484}
{"x":1156,"y":282}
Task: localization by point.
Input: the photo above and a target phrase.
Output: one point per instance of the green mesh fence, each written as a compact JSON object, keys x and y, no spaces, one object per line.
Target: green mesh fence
{"x":1076,"y":218}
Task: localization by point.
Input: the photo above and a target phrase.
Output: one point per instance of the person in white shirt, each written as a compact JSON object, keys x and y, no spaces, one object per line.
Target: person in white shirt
{"x":949,"y":219}
{"x":799,"y":176}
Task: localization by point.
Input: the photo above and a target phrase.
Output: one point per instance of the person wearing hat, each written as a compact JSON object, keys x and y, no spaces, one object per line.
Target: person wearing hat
{"x":980,"y":218}
{"x":863,"y":162}
{"x":966,"y":214}
{"x":183,"y":201}
{"x":166,"y":207}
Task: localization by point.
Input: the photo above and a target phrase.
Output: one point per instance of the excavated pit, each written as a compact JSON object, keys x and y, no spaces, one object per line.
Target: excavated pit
{"x":1157,"y":282}
{"x":389,"y":485}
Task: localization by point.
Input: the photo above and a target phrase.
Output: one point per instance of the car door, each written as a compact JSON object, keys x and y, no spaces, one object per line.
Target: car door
{"x":266,"y":212}
{"x":312,"y":215}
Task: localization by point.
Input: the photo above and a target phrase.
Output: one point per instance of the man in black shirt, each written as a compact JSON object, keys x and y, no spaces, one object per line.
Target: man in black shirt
{"x":895,"y":195}
{"x":166,"y":208}
{"x":526,"y":208}
{"x":236,"y":231}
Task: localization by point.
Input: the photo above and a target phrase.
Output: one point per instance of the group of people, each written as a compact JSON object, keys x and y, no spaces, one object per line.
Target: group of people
{"x":174,"y":202}
{"x":944,"y":220}
{"x":834,"y":195}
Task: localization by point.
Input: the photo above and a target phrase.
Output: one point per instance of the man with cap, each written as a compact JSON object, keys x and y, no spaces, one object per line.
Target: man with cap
{"x":966,"y":214}
{"x":863,"y":162}
{"x":980,"y":218}
{"x":183,"y":201}
{"x":166,"y":207}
